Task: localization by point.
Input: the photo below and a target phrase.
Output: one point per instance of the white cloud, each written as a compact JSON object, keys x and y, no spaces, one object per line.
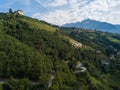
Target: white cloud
{"x":58,"y":17}
{"x":52,"y":3}
{"x":41,"y":3}
{"x":77,"y":10}
{"x":57,"y":3}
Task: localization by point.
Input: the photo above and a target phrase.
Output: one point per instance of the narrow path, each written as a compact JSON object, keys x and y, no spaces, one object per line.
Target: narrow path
{"x":82,"y":69}
{"x":51,"y":80}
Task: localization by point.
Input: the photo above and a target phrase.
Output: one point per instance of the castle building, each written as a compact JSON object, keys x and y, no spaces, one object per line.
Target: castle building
{"x":20,"y":12}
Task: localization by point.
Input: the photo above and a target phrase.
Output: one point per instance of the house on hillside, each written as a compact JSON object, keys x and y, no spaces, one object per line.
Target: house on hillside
{"x":78,"y":45}
{"x":78,"y":65}
{"x":80,"y":68}
{"x":98,"y":52}
{"x":105,"y":62}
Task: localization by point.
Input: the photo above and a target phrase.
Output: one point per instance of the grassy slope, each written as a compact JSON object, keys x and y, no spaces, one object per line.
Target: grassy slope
{"x":114,"y":40}
{"x":95,"y":39}
{"x":33,"y":23}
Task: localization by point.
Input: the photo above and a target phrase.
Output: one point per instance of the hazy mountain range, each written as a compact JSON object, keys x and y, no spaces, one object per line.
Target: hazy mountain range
{"x":95,"y":25}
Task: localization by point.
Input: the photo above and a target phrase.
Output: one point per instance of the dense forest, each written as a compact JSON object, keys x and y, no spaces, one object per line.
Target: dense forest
{"x":35,"y":55}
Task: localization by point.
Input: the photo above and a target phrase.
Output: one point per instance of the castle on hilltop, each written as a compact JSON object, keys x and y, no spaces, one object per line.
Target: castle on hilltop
{"x":19,"y":12}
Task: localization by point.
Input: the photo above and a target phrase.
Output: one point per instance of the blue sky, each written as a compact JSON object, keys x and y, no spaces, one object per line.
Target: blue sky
{"x":65,"y":11}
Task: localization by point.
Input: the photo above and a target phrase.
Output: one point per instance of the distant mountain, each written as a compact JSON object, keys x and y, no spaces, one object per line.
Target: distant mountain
{"x":95,"y":25}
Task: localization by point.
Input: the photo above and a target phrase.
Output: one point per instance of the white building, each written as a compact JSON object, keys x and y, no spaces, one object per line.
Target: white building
{"x":20,"y":12}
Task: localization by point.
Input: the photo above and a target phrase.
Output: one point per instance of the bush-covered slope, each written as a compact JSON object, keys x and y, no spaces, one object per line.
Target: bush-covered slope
{"x":37,"y":56}
{"x":18,"y":59}
{"x":107,"y":49}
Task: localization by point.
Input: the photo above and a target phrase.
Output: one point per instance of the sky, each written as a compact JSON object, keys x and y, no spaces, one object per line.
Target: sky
{"x":60,"y":12}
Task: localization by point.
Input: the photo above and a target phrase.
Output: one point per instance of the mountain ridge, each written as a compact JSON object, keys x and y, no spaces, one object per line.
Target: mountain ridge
{"x":95,"y":25}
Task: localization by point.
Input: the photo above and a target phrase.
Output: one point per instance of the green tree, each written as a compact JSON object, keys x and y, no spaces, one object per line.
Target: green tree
{"x":10,"y":11}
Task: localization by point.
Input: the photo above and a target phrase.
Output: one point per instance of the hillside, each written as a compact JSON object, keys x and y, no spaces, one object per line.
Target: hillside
{"x":102,"y":42}
{"x":38,"y":56}
{"x":95,"y":25}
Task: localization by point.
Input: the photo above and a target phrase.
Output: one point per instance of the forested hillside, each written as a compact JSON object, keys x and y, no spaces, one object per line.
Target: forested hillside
{"x":35,"y":55}
{"x":107,"y":49}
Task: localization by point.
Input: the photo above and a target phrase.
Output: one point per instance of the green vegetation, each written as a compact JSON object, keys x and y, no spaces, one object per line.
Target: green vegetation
{"x":36,"y":24}
{"x":35,"y":55}
{"x":114,"y":40}
{"x":107,"y":48}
